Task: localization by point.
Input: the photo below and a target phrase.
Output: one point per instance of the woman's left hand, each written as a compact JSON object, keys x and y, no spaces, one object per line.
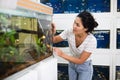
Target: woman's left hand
{"x":58,"y":51}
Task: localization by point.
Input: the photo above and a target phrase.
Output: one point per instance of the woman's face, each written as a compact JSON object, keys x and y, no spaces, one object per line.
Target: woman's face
{"x":78,"y":27}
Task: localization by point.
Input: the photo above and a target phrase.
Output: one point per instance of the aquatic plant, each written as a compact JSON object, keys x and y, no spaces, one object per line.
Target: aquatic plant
{"x":8,"y":47}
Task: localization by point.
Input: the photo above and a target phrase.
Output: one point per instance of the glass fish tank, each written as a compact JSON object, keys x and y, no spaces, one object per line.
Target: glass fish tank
{"x":25,"y":39}
{"x":118,"y":38}
{"x":118,"y":5}
{"x":101,"y":72}
{"x":117,"y":73}
{"x":63,"y":71}
{"x":103,"y":38}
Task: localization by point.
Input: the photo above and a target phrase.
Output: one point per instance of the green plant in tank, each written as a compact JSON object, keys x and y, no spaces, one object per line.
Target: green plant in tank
{"x":41,"y":47}
{"x":8,"y":48}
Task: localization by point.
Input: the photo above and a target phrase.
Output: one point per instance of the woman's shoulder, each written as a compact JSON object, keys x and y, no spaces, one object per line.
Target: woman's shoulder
{"x":91,"y":36}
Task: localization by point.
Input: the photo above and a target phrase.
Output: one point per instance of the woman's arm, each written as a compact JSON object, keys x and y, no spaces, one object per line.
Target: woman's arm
{"x":56,"y":38}
{"x":83,"y":57}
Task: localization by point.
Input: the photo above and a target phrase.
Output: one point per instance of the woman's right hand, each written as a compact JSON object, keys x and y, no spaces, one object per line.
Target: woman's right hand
{"x":53,"y":28}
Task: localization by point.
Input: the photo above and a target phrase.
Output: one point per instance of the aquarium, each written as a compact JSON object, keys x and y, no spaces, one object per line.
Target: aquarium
{"x":103,"y":38}
{"x":98,"y":5}
{"x":118,"y":5}
{"x":25,"y":39}
{"x":56,"y":4}
{"x":117,"y":73}
{"x":74,"y":6}
{"x":101,"y":72}
{"x":63,"y":71}
{"x":118,"y":39}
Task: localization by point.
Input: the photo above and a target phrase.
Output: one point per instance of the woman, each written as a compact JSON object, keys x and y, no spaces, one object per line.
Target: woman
{"x":82,"y":44}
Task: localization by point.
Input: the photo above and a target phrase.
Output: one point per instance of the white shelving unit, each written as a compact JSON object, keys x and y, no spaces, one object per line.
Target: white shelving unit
{"x":38,"y":71}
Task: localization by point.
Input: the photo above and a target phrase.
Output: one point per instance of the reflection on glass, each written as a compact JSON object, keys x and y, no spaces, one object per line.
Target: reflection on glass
{"x":103,"y":38}
{"x":23,"y":42}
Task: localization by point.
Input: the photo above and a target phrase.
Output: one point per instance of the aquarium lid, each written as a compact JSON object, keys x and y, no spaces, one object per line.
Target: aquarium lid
{"x":26,"y":4}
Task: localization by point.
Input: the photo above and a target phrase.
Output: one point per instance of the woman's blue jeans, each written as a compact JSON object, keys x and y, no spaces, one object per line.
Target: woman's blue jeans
{"x":81,"y":71}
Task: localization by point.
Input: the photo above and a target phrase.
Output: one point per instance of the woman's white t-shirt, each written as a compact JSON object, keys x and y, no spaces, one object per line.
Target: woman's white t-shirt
{"x":88,"y":45}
